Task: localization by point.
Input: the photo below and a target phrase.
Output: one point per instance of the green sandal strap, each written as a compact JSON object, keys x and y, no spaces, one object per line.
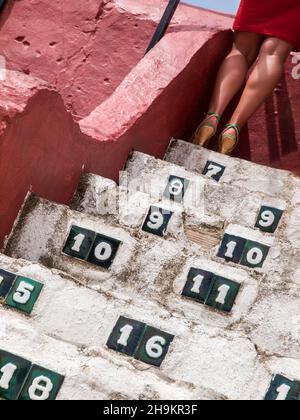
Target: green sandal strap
{"x":214,"y":114}
{"x":229,"y":136}
{"x":208,"y":124}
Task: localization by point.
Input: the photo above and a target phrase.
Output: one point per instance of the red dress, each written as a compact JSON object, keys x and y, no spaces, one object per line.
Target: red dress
{"x":280,"y":19}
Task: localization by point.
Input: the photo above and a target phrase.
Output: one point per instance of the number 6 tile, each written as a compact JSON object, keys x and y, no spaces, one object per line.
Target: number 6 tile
{"x":154,"y":346}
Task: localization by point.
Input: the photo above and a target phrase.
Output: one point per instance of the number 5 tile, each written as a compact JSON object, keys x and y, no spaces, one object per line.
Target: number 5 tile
{"x":24,"y":294}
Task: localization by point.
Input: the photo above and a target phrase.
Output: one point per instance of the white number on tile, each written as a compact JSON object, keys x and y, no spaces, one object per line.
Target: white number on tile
{"x":213,"y":170}
{"x":197,"y":284}
{"x":223,"y":292}
{"x":154,"y":347}
{"x":156,"y":220}
{"x":267,"y":219}
{"x":23,"y":293}
{"x":176,"y":187}
{"x":255,"y":256}
{"x":230,"y":249}
{"x":79,"y":239}
{"x":125,"y":335}
{"x":283,"y":392}
{"x":103,"y":251}
{"x":8,"y":372}
{"x":40,"y":389}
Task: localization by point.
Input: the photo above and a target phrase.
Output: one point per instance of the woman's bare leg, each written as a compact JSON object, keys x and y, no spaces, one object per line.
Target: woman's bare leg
{"x":266,"y":74}
{"x":231,"y":78}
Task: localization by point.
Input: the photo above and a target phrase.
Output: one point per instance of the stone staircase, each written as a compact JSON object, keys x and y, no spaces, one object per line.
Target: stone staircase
{"x":180,"y":283}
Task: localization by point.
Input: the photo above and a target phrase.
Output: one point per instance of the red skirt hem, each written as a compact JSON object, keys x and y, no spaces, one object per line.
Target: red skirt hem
{"x":285,"y":38}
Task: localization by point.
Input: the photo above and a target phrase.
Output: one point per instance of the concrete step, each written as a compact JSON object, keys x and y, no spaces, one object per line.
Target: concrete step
{"x":226,"y":202}
{"x":55,"y":336}
{"x":145,"y":265}
{"x":222,"y":295}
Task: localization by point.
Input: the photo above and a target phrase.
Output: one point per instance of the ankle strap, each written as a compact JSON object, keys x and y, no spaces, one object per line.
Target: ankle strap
{"x":236,"y":127}
{"x":213,"y":114}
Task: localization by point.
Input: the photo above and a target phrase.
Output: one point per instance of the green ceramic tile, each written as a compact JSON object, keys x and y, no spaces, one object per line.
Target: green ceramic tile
{"x":283,"y":389}
{"x":157,"y":221}
{"x":198,"y":285}
{"x":223,"y":294}
{"x":126,"y":336}
{"x":13,"y":372}
{"x":214,"y":170}
{"x":79,"y":242}
{"x":103,"y":251}
{"x":254,"y":254}
{"x":24,"y":294}
{"x":268,"y":219}
{"x":232,"y":248}
{"x":41,"y":384}
{"x":154,"y":346}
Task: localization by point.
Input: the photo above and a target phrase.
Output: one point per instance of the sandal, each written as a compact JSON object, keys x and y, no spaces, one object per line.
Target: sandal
{"x":223,"y":144}
{"x":206,"y":130}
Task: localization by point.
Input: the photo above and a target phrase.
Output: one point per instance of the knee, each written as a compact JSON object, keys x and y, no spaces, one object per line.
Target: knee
{"x":276,"y":48}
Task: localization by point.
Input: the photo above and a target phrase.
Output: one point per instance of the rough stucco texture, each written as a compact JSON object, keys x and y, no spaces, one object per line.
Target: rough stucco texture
{"x":87,"y":50}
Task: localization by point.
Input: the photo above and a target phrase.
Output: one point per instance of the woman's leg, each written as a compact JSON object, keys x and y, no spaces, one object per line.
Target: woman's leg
{"x":266,"y":74}
{"x":231,"y":78}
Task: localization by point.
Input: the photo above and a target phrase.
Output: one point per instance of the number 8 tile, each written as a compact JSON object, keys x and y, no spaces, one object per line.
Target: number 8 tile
{"x":41,"y":385}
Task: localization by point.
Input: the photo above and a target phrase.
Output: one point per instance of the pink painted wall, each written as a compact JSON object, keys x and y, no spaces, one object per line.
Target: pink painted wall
{"x":45,"y":151}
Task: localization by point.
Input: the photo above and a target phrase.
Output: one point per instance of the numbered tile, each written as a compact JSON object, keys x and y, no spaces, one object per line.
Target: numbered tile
{"x":41,"y":385}
{"x":283,"y":389}
{"x":157,"y":221}
{"x":232,"y":248}
{"x":24,"y":294}
{"x":13,"y":372}
{"x":268,"y":219}
{"x":79,"y":242}
{"x":223,"y":294}
{"x":214,"y":170}
{"x":176,"y":188}
{"x":104,"y":251}
{"x":6,"y":282}
{"x":126,"y":336}
{"x":254,"y":254}
{"x":198,"y":285}
{"x":154,"y":346}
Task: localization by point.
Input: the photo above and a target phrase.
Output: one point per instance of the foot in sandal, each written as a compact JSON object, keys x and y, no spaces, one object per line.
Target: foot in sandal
{"x":229,"y":139}
{"x":207,"y":129}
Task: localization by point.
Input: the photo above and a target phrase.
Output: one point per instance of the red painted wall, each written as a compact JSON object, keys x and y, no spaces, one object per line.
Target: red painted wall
{"x":44,"y":150}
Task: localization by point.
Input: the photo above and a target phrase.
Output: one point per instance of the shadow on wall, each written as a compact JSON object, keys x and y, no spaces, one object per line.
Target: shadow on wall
{"x":271,"y":135}
{"x":5,"y":10}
